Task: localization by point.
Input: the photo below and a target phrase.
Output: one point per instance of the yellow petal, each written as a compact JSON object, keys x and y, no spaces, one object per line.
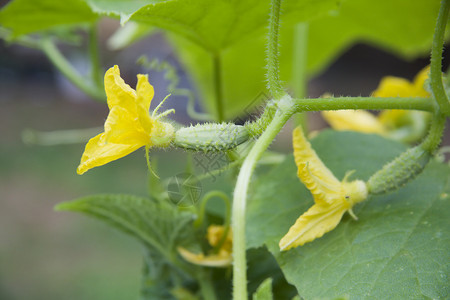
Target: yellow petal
{"x":215,"y":234}
{"x":391,"y":86}
{"x":311,"y":170}
{"x":356,"y":120}
{"x":216,"y":260}
{"x":122,"y":136}
{"x":123,"y":127}
{"x":318,"y":220}
{"x":419,"y":82}
{"x":323,"y":217}
{"x":145,"y":93}
{"x":128,"y":126}
{"x":98,"y":153}
{"x":391,"y":118}
{"x":119,"y":93}
{"x":332,"y":198}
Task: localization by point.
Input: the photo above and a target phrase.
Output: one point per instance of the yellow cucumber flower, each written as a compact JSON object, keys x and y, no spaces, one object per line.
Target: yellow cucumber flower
{"x":222,"y":257}
{"x":356,"y":120}
{"x":128,"y":126}
{"x":389,"y":123}
{"x":391,"y":86}
{"x":332,"y":197}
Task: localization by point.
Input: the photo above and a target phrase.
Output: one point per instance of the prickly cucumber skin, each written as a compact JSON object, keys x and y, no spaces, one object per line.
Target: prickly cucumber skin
{"x":211,"y":137}
{"x":398,"y":172}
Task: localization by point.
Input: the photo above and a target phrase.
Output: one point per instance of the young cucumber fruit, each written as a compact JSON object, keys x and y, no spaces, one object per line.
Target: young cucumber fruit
{"x":211,"y":137}
{"x":399,"y":171}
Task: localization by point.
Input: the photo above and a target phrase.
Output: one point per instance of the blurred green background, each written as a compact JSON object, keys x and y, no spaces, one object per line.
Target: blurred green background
{"x":49,"y":255}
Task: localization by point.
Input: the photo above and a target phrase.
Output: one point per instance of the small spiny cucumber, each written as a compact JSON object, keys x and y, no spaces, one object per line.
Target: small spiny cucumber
{"x":398,"y":172}
{"x":211,"y":137}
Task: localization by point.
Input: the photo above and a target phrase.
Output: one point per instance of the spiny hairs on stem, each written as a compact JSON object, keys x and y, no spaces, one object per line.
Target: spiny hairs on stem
{"x":258,"y":126}
{"x":273,"y":72}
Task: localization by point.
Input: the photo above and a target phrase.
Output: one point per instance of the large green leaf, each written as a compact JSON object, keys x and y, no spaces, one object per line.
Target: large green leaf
{"x":212,"y":24}
{"x":123,"y":9}
{"x":242,"y":64}
{"x":156,"y":224}
{"x":264,"y":291}
{"x":230,"y":83}
{"x":400,"y":26}
{"x":398,"y":248}
{"x":26,"y":16}
{"x":156,"y":277}
{"x":260,"y":266}
{"x":221,"y":43}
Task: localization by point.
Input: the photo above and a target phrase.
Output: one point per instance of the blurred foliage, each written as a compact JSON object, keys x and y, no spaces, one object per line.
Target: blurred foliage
{"x":222,"y":43}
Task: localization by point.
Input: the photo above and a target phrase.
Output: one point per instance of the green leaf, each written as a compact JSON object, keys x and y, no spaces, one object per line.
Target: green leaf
{"x":220,"y":43}
{"x":212,"y":24}
{"x":241,"y":65}
{"x":27,"y":16}
{"x":119,"y":8}
{"x":180,"y":293}
{"x":157,"y":278}
{"x":128,"y":34}
{"x":399,"y":26}
{"x":156,"y":224}
{"x":264,"y":291}
{"x":397,"y":248}
{"x":226,"y":88}
{"x":261,"y":265}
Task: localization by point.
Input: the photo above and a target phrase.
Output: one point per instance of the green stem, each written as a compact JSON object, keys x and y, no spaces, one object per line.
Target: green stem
{"x":47,"y":46}
{"x":437,"y":86}
{"x":218,"y":86}
{"x":96,"y":71}
{"x":240,"y":195}
{"x":299,"y":76}
{"x":55,"y":56}
{"x":23,"y":40}
{"x":202,"y":209}
{"x":273,"y":72}
{"x":337,"y":103}
{"x":206,"y":285}
{"x":433,"y":139}
{"x":226,"y":223}
{"x":59,"y":137}
{"x":257,"y":127}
